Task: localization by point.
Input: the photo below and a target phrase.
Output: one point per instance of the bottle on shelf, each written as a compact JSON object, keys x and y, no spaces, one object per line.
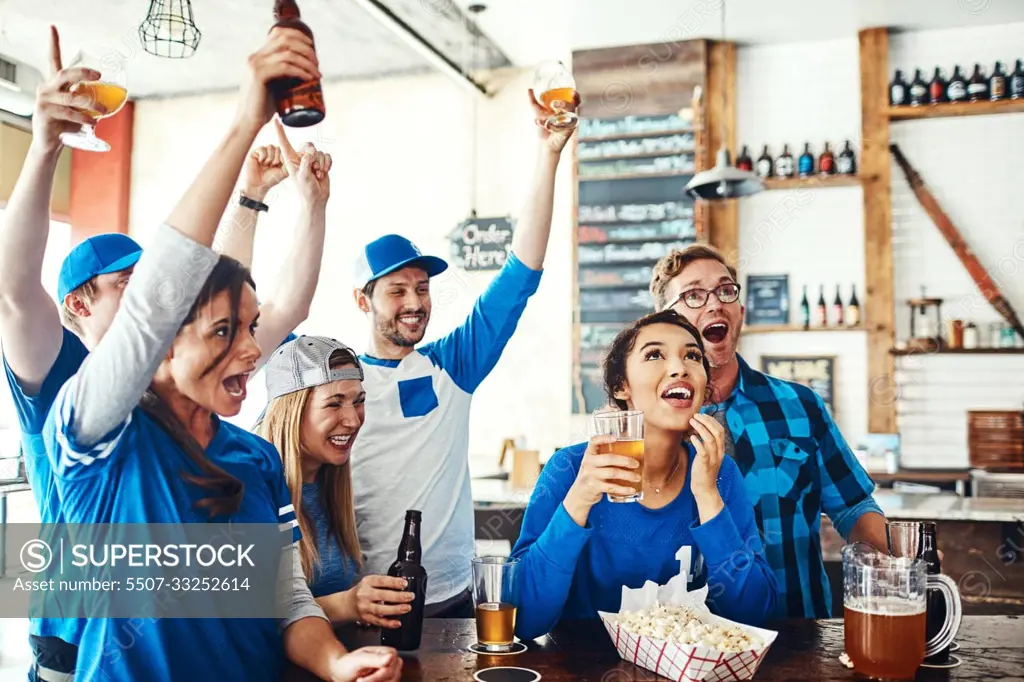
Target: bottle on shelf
{"x":821,"y":311}
{"x":937,"y":88}
{"x":898,"y":90}
{"x":764,"y":164}
{"x":977,"y":88}
{"x":408,"y":565}
{"x":744,"y":162}
{"x":970,"y":336}
{"x":299,"y":103}
{"x":806,"y":163}
{"x":805,"y":311}
{"x":847,"y":164}
{"x":853,"y":309}
{"x":1017,"y":81}
{"x":956,"y":90}
{"x":827,"y":161}
{"x":837,"y":309}
{"x":784,"y":164}
{"x":918,"y":90}
{"x":997,"y":83}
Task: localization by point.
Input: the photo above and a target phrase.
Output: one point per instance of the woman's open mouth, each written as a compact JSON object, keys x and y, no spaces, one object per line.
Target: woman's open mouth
{"x":715,"y":332}
{"x":235,"y":385}
{"x":678,"y":395}
{"x":342,"y":442}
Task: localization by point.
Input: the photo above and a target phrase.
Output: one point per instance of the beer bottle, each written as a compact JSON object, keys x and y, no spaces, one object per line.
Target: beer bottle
{"x":935,"y":604}
{"x":764,"y":164}
{"x":806,"y":164}
{"x":977,"y":89}
{"x":918,"y":90}
{"x":956,"y":91}
{"x":897,"y":90}
{"x":784,"y":164}
{"x":1017,"y":81}
{"x":805,"y":311}
{"x":744,"y":162}
{"x":299,"y":103}
{"x":937,"y":88}
{"x":997,"y":83}
{"x":827,"y":162}
{"x":847,"y":164}
{"x":407,"y":566}
{"x":822,"y":311}
{"x":837,"y":308}
{"x":853,"y":309}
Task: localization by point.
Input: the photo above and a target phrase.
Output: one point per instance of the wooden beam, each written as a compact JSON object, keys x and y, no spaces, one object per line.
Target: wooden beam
{"x":101,"y":182}
{"x":720,"y":128}
{"x":875,"y":168}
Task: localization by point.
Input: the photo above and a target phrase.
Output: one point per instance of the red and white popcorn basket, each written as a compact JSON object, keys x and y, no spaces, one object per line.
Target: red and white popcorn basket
{"x":684,"y":663}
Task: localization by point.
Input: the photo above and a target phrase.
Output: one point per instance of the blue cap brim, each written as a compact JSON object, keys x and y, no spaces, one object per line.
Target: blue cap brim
{"x":122,"y":263}
{"x":432,"y":264}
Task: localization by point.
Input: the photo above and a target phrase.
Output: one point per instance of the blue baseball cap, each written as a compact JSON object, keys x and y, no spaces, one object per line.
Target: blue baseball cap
{"x":390,"y":253}
{"x":99,"y":255}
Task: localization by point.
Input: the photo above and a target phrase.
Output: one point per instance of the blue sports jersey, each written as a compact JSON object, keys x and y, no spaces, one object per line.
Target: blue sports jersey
{"x":32,"y":412}
{"x":337,"y":571}
{"x":133,"y":476}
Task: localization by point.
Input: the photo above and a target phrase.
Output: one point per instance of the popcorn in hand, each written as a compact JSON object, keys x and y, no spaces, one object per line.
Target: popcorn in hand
{"x":682,"y":625}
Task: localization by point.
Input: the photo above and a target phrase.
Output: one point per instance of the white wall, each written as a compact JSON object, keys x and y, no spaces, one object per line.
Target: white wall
{"x":402,"y":163}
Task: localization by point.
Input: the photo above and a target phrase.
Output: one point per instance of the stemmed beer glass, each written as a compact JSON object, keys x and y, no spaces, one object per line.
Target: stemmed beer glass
{"x":555,"y":88}
{"x":106,"y":97}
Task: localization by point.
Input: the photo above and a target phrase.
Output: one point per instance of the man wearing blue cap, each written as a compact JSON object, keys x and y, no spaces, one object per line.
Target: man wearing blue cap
{"x":412,"y":452}
{"x":40,"y":354}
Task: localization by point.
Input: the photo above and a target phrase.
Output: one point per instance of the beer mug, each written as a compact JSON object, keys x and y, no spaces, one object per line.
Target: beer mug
{"x":628,"y":428}
{"x":884,"y":612}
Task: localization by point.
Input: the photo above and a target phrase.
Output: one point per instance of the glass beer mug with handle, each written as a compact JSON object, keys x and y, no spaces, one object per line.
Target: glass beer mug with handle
{"x":884,"y":612}
{"x":110,"y":93}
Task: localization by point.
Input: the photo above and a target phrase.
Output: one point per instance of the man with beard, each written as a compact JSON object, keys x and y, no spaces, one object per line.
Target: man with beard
{"x":412,"y":452}
{"x":794,"y":460}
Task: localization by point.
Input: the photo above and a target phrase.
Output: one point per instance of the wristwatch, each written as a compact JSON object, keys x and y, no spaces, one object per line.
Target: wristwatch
{"x":252,"y":203}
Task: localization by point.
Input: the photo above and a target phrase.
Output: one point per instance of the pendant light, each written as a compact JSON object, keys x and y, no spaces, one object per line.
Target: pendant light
{"x":169,"y":29}
{"x":724,"y":181}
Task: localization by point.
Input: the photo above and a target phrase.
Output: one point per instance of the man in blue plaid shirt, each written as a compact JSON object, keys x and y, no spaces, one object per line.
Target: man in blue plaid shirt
{"x":794,"y":461}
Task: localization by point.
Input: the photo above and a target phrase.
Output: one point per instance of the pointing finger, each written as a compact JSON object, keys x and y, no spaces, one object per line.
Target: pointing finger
{"x":56,"y":63}
{"x":286,"y":145}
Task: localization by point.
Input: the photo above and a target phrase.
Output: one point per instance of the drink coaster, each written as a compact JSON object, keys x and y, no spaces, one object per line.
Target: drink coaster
{"x":954,"y":662}
{"x":517,"y":648}
{"x":506,"y":675}
{"x":955,"y":646}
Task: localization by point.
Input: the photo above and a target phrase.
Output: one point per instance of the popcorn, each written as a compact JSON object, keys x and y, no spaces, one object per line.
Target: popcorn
{"x":683,"y":625}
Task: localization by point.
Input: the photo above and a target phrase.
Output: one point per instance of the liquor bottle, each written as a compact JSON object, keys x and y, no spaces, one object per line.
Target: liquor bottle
{"x":853,"y":309}
{"x":837,"y":309}
{"x":977,"y":88}
{"x":806,"y":163}
{"x":918,"y":90}
{"x":827,"y":161}
{"x":997,"y":83}
{"x":898,"y":90}
{"x":821,"y":313}
{"x":744,"y":162}
{"x":299,"y":103}
{"x":784,"y":164}
{"x":937,"y":88}
{"x":407,"y":566}
{"x":1017,"y":81}
{"x":764,"y":164}
{"x":847,"y":164}
{"x":935,"y":604}
{"x":956,"y":90}
{"x":805,"y":311}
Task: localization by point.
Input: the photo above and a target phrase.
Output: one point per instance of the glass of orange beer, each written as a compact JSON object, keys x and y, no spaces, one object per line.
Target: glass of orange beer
{"x":555,"y":89}
{"x":495,"y":596}
{"x":628,"y":427}
{"x":106,"y":97}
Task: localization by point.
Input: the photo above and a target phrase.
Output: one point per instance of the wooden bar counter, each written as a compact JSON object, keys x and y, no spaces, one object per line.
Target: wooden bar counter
{"x":991,"y":647}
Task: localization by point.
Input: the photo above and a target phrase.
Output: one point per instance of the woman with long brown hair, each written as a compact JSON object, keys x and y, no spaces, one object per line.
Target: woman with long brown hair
{"x":316,"y":408}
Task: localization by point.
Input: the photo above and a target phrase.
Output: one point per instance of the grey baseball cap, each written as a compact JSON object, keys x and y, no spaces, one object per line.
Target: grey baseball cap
{"x":306,"y":363}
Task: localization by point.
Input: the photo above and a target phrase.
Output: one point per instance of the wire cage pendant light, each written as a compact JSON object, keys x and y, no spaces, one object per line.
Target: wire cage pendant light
{"x":169,"y":29}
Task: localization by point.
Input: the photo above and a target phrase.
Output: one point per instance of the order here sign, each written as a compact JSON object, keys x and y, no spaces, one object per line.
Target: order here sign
{"x":482,"y":243}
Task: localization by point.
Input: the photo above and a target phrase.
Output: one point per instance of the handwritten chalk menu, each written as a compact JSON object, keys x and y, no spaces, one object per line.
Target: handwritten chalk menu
{"x":817,"y":372}
{"x":632,"y":211}
{"x":767,"y":299}
{"x":481,"y":243}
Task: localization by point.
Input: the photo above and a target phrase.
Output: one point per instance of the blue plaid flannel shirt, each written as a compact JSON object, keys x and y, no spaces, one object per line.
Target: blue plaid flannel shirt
{"x":795,"y":465}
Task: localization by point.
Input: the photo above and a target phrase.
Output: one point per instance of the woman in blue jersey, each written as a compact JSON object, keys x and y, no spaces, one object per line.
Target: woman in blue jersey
{"x":134,"y":436}
{"x":316,"y":408}
{"x":578,"y":550}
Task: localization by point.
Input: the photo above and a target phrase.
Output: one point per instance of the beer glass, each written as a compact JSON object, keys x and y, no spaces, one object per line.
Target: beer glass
{"x":628,"y":427}
{"x":111,"y":91}
{"x":884,"y":610}
{"x":555,"y":89}
{"x":495,"y":597}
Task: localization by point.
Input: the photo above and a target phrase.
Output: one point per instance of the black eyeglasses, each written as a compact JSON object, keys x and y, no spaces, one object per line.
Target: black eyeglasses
{"x":698,"y":298}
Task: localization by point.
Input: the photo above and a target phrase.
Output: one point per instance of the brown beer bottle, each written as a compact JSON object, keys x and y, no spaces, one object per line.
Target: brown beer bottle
{"x":407,"y":566}
{"x":936,"y":604}
{"x":299,"y":103}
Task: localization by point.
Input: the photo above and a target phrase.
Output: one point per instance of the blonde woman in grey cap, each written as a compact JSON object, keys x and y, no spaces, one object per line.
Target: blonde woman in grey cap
{"x":315,"y":389}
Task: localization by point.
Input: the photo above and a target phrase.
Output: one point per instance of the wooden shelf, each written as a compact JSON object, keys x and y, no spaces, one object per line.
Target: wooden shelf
{"x":766,"y":328}
{"x":636,"y":136}
{"x":908,"y":113}
{"x":822,"y":181}
{"x":637,"y":176}
{"x":641,"y":155}
{"x":922,"y":476}
{"x":957,"y":351}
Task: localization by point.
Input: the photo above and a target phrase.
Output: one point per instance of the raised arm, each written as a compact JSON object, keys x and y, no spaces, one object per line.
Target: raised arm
{"x":263,"y":170}
{"x":29,"y":321}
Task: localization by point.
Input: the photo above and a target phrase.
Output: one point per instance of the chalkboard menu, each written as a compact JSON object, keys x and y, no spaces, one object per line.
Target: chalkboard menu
{"x":767,"y":299}
{"x":632,"y":211}
{"x":817,"y":372}
{"x":481,"y":243}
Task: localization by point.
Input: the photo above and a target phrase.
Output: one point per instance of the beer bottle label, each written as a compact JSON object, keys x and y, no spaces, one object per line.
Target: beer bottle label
{"x":917,"y":90}
{"x":956,"y":91}
{"x":845,"y":165}
{"x":898,"y":94}
{"x":852,"y":316}
{"x":764,"y":167}
{"x":1017,"y":86}
{"x":998,"y":87}
{"x":976,"y":88}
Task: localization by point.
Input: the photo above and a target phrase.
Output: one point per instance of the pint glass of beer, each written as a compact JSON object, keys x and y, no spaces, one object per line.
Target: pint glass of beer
{"x":628,"y":427}
{"x":106,"y":97}
{"x":555,"y":88}
{"x":495,"y":596}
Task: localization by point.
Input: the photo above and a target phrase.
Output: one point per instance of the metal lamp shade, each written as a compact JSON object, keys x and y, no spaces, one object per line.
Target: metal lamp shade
{"x":169,"y":29}
{"x":723,"y":181}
